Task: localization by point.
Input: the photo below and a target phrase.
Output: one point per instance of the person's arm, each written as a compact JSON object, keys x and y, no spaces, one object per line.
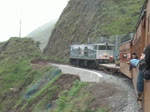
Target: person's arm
{"x":142,"y":56}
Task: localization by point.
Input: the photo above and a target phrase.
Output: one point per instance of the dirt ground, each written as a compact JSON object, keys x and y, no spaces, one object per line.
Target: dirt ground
{"x":65,"y":81}
{"x":117,"y":92}
{"x":108,"y":95}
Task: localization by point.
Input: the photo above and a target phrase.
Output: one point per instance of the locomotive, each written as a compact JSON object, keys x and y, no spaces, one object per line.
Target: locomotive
{"x":91,"y":55}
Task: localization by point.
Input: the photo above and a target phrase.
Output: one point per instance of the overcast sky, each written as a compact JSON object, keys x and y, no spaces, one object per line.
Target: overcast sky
{"x":33,"y":13}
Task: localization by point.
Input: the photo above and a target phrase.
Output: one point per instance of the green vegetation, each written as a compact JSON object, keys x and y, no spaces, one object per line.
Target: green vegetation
{"x":17,"y":73}
{"x":66,"y":100}
{"x":42,"y":97}
{"x":76,"y":99}
{"x":15,"y":57}
{"x":124,"y":16}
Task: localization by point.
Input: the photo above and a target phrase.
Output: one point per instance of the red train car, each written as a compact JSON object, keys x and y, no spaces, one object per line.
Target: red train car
{"x":140,"y":40}
{"x":124,"y":58}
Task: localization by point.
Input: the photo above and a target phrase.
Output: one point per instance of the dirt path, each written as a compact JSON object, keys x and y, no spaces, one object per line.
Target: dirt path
{"x":125,"y":90}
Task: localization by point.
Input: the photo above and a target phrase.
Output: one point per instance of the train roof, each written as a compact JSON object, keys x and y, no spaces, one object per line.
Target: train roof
{"x":142,"y":14}
{"x":143,"y":10}
{"x":104,"y":44}
{"x":127,"y":38}
{"x":93,"y":44}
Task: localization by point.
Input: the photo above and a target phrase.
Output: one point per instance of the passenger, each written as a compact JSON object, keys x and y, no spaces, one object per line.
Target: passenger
{"x":144,"y":70}
{"x":133,"y":56}
{"x":140,"y":81}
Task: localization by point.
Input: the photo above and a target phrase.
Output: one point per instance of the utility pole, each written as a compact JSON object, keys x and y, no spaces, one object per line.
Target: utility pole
{"x":88,"y":40}
{"x":116,"y":46}
{"x":20,"y":28}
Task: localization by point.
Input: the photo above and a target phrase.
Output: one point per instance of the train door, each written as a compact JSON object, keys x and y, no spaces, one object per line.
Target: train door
{"x":124,"y":50}
{"x":148,"y":29}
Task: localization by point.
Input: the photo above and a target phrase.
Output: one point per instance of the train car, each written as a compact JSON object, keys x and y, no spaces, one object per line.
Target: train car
{"x":140,"y":40}
{"x":91,"y":55}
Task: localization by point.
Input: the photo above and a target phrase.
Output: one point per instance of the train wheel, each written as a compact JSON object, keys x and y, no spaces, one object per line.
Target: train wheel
{"x":109,"y":70}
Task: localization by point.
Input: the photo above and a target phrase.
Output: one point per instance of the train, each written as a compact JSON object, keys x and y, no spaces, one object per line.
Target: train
{"x":93,"y":55}
{"x":137,"y":44}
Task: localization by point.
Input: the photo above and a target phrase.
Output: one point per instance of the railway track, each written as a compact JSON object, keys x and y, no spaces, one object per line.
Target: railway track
{"x":109,"y":68}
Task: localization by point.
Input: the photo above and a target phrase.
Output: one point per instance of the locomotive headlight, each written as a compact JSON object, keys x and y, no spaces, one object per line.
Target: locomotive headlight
{"x":100,"y":56}
{"x":111,"y":56}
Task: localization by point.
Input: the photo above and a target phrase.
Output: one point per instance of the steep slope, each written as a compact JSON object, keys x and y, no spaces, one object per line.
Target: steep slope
{"x":91,"y":18}
{"x":42,"y":34}
{"x":26,"y":79}
{"x":16,"y":72}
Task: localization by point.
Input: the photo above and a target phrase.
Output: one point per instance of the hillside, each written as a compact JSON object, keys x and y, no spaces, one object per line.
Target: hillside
{"x":15,"y":71}
{"x":30,"y":84}
{"x":42,"y":34}
{"x":25,"y":77}
{"x":85,"y":19}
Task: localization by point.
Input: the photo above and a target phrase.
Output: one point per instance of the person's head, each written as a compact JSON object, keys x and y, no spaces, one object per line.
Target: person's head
{"x":133,"y":55}
{"x":147,"y":55}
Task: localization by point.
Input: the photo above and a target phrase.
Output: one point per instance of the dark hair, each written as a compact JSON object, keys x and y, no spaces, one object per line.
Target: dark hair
{"x":133,"y":54}
{"x":136,"y":57}
{"x":147,"y":56}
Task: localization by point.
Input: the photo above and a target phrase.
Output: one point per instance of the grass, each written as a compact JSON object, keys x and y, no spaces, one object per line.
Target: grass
{"x":16,"y":72}
{"x":124,"y":16}
{"x":40,"y":97}
{"x":75,"y":100}
{"x":67,"y":98}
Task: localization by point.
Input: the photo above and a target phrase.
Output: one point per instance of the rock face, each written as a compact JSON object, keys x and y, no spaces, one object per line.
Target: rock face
{"x":83,"y":19}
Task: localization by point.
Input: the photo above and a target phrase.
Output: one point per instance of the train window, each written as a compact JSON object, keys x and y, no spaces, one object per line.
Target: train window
{"x":102,"y":47}
{"x":105,"y":48}
{"x":110,"y":47}
{"x":95,"y":47}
